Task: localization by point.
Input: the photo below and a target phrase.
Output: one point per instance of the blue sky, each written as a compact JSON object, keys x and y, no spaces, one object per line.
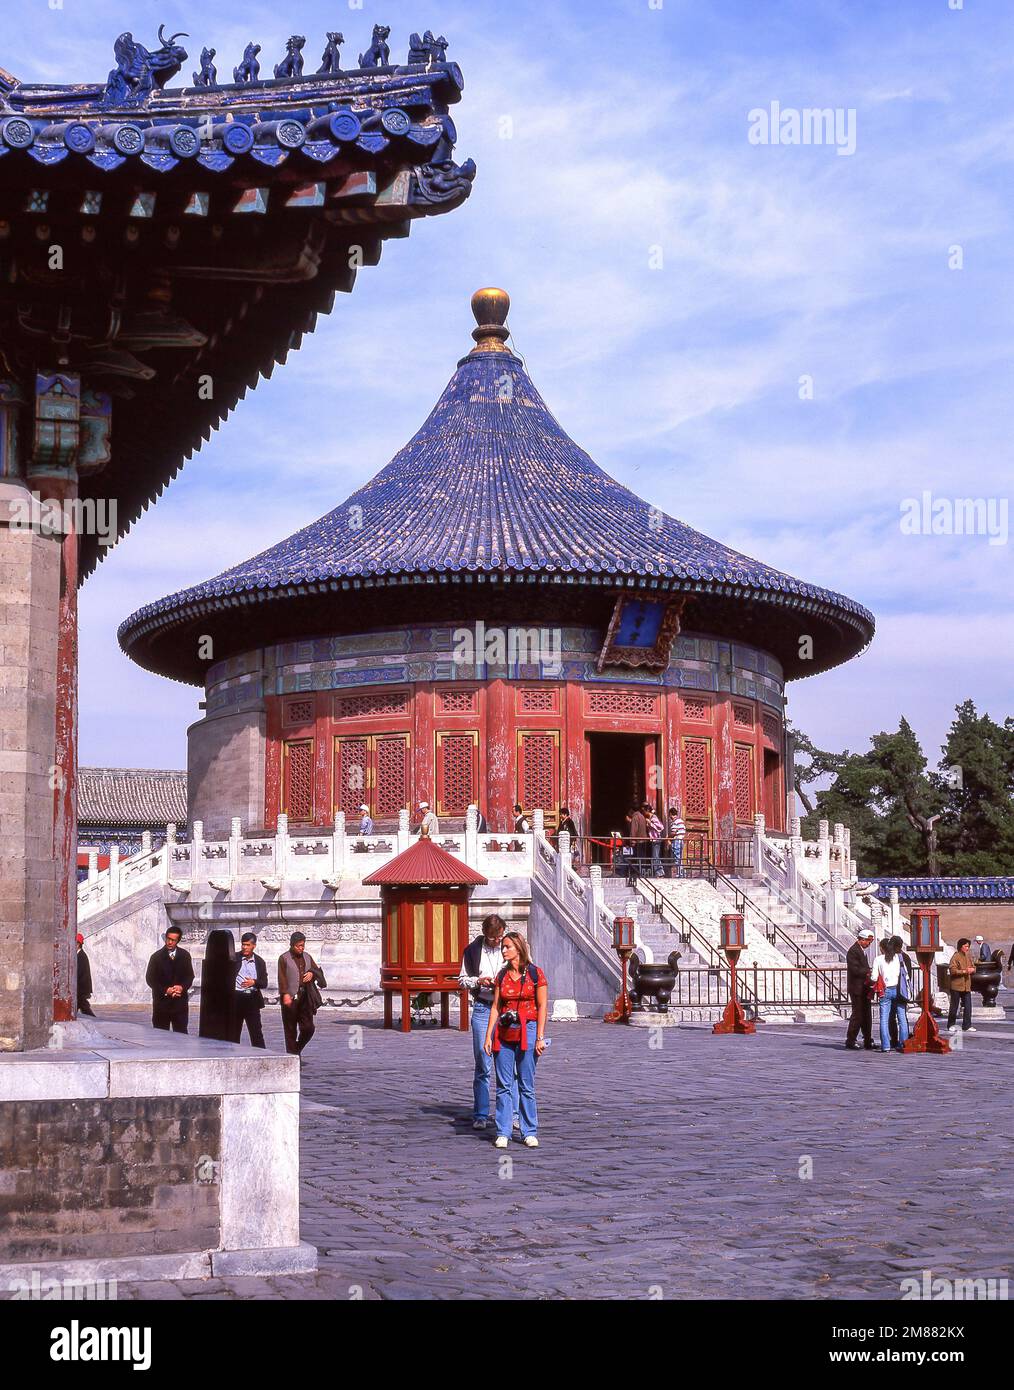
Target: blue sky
{"x":628,"y":133}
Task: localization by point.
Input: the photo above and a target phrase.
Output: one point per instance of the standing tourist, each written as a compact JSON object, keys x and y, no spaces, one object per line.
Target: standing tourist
{"x":676,"y":830}
{"x":516,"y":1038}
{"x":889,"y":985}
{"x":568,"y":826}
{"x":480,"y":965}
{"x":169,"y":976}
{"x":521,"y":825}
{"x":638,"y":842}
{"x":429,"y":826}
{"x":656,"y":834}
{"x":985,"y":951}
{"x":248,"y":999}
{"x":365,"y":820}
{"x":858,"y":980}
{"x":960,"y":970}
{"x":84,"y":980}
{"x":300,"y":980}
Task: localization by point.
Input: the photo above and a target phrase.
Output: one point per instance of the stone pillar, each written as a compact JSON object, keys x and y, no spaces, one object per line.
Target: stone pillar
{"x":340,"y":842}
{"x":281,"y":844}
{"x":404,"y":830}
{"x":30,"y":571}
{"x":472,"y":836}
{"x":93,"y":865}
{"x":145,"y":841}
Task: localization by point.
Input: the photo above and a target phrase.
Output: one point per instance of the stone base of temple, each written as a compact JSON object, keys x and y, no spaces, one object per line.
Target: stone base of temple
{"x":981,"y":1013}
{"x":128,"y":1153}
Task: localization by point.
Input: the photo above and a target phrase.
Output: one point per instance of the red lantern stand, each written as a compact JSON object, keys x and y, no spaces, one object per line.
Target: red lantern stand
{"x":424,"y":908}
{"x":734,"y":1020}
{"x":623,"y":945}
{"x":924,"y":927}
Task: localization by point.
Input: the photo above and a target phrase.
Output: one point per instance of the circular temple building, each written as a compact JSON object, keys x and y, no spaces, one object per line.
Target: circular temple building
{"x":493,"y":619}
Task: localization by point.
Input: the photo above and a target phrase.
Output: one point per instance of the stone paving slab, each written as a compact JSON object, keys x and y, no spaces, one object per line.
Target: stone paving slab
{"x":673,"y":1165}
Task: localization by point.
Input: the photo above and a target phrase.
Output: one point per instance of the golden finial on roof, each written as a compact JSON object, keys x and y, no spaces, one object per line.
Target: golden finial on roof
{"x":491,"y":307}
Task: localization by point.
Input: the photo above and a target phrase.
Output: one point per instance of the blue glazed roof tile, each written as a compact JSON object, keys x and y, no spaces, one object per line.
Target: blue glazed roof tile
{"x":942,"y":889}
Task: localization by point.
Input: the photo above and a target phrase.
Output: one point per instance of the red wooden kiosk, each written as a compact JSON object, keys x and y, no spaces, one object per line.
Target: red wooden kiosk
{"x":424,"y":894}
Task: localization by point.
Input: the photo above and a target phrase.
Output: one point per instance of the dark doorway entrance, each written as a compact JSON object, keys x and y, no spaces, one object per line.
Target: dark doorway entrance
{"x":772,"y":800}
{"x":618,"y":765}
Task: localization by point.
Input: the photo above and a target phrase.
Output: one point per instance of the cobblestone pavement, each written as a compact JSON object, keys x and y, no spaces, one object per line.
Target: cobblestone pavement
{"x":773,"y":1166}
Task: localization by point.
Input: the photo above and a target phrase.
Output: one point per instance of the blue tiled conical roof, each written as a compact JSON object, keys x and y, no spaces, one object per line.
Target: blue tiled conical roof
{"x":492,"y":486}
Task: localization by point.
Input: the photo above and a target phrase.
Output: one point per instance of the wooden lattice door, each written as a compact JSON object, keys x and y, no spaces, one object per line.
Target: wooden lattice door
{"x":539,"y":774}
{"x":297,"y":780}
{"x":457,"y":772}
{"x":697,"y":787}
{"x":371,"y":770}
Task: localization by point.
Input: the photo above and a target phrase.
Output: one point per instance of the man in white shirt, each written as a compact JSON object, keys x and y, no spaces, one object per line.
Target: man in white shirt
{"x":366,"y":823}
{"x":428,"y":825}
{"x":480,"y":965}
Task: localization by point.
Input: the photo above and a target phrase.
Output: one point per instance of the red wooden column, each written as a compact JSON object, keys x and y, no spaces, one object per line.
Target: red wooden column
{"x":423,"y":751}
{"x":323,"y":759}
{"x":574,"y":755}
{"x":65,"y":771}
{"x":724,"y":792}
{"x":672,"y":754}
{"x":500,"y":739}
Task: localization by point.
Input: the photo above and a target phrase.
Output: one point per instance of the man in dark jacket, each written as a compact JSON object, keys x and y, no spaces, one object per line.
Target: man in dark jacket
{"x":858,"y":982}
{"x":247,"y":999}
{"x":299,"y":979}
{"x":169,"y":976}
{"x":84,"y":980}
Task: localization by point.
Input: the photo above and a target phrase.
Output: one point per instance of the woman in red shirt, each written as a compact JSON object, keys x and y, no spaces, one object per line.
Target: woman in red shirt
{"x":516,"y":1038}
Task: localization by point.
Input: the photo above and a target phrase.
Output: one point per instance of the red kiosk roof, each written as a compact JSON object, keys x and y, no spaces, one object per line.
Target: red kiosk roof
{"x":424,"y":862}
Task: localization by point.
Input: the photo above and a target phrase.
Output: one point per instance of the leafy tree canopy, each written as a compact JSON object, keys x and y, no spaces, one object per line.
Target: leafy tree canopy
{"x":908,"y":819}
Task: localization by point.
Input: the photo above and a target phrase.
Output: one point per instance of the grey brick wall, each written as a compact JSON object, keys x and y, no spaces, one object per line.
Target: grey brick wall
{"x":83,"y":1179}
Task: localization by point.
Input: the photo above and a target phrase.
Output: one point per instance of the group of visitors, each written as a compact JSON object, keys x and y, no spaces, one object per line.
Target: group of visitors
{"x":653,"y":847}
{"x":170,"y":977}
{"x":891,"y":982}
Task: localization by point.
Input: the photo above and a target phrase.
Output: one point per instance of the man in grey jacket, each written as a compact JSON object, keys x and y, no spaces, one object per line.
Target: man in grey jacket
{"x":298,"y":973}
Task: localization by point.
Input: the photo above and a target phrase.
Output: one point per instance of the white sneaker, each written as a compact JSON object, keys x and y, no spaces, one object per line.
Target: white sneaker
{"x":971,"y":1030}
{"x":500,"y":1142}
{"x":531,"y":1142}
{"x":479,"y":1124}
{"x":954,"y":1028}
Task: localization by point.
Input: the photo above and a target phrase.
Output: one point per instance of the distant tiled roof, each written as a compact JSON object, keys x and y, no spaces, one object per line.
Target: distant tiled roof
{"x":424,"y":862}
{"x":491,"y":489}
{"x":959,"y":890}
{"x":141,"y":796}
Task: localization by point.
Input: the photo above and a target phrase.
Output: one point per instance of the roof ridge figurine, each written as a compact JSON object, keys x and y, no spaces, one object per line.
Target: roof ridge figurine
{"x":291,"y":66}
{"x":249,"y":70}
{"x":378,"y":55}
{"x":138,"y":71}
{"x":208,"y":75}
{"x":331,"y":59}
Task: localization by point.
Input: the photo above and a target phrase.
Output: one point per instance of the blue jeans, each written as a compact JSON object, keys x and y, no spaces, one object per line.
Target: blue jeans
{"x":675,"y":858}
{"x":483,"y":1078}
{"x":890,"y":1003}
{"x":656,"y":858}
{"x":515,"y":1086}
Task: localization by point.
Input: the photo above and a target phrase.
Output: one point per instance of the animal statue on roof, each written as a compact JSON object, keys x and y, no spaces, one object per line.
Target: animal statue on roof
{"x":138,"y":72}
{"x":331,"y":61}
{"x":291,"y":65}
{"x":378,"y":55}
{"x":208,"y":75}
{"x":427,"y":49}
{"x":249,"y":69}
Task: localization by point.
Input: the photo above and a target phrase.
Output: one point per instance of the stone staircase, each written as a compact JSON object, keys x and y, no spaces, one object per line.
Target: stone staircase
{"x":821,"y":948}
{"x":657,"y":934}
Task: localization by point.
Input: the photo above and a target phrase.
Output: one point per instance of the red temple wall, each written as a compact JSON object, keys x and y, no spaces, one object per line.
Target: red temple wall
{"x":499,"y":741}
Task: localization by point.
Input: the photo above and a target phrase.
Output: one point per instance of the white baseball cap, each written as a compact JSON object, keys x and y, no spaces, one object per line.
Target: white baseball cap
{"x":979,"y":938}
{"x":425,"y":803}
{"x":865,"y":931}
{"x":364,"y":807}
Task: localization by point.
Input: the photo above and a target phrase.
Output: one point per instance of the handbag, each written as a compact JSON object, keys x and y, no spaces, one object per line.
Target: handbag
{"x":878,"y":987}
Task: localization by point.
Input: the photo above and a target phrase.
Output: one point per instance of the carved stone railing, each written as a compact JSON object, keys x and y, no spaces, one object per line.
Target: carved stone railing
{"x":327,"y":856}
